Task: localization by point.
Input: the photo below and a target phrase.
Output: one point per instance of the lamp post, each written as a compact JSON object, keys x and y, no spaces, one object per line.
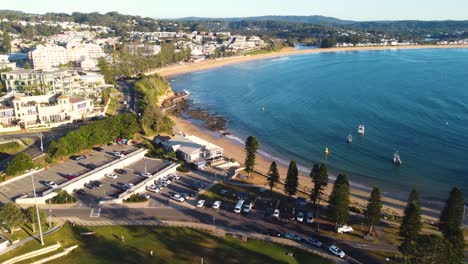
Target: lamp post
{"x":42,"y":144}
{"x":37,"y":211}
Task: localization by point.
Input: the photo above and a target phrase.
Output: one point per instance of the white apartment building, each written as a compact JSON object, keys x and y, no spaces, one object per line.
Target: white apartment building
{"x":43,"y":110}
{"x":78,"y":52}
{"x":48,"y":56}
{"x":5,"y":63}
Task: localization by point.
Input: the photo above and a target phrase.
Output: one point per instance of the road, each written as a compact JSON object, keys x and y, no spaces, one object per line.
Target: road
{"x":175,"y":212}
{"x":128,"y":95}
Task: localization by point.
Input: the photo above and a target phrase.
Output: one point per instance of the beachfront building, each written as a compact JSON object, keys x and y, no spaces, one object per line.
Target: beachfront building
{"x":26,"y":112}
{"x":78,"y":52}
{"x":48,"y":56}
{"x":193,"y":149}
{"x":5,"y":63}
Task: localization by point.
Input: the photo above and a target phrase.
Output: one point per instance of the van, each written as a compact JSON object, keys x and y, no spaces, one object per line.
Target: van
{"x":238,"y":207}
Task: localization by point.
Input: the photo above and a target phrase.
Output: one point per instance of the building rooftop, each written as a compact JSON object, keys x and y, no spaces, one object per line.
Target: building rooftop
{"x":190,"y":144}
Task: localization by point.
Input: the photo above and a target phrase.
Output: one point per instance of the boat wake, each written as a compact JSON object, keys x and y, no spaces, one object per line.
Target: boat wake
{"x":281,"y":59}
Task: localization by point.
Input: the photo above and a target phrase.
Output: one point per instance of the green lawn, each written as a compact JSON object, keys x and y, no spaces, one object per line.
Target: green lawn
{"x":169,"y":245}
{"x":11,"y":147}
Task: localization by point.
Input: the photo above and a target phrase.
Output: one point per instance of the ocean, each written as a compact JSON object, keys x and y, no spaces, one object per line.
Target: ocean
{"x":411,"y":101}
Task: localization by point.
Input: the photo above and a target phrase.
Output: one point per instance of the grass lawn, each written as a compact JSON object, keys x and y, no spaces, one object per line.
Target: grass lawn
{"x":113,"y":101}
{"x":169,"y":245}
{"x":11,"y":147}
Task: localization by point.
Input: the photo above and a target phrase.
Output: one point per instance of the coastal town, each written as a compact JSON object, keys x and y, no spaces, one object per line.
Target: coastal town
{"x":98,"y":150}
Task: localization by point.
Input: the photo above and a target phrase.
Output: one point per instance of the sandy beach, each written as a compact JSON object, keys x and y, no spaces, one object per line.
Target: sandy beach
{"x":178,"y":69}
{"x":235,"y":150}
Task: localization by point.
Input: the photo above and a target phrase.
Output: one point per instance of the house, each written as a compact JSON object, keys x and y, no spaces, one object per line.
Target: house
{"x":193,"y":149}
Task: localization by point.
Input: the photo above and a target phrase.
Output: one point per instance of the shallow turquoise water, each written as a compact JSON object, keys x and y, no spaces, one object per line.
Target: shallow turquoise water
{"x":411,"y":101}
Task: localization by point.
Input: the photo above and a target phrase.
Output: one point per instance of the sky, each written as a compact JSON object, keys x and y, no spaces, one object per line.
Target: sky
{"x":361,"y":10}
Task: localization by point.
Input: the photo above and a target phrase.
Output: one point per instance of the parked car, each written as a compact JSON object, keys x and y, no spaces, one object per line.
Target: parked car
{"x":300,"y":217}
{"x":78,"y":157}
{"x":79,"y":191}
{"x":97,"y":183}
{"x":309,"y":218}
{"x":276,"y":213}
{"x":90,"y":185}
{"x":152,"y":188}
{"x":145,"y":174}
{"x":313,"y":241}
{"x":120,"y":171}
{"x":51,"y":184}
{"x":223,"y":192}
{"x":70,"y":176}
{"x":200,"y":203}
{"x":145,"y":195}
{"x":186,"y":195}
{"x":344,"y":229}
{"x":91,"y":166}
{"x":336,"y":251}
{"x":272,"y":232}
{"x":127,"y":186}
{"x":118,"y":154}
{"x":216,"y":204}
{"x":111,"y":176}
{"x":98,"y":149}
{"x":178,"y":197}
{"x":293,"y":236}
{"x":247,"y":208}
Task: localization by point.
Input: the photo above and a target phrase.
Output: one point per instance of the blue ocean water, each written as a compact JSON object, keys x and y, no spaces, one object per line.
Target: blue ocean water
{"x":411,"y":101}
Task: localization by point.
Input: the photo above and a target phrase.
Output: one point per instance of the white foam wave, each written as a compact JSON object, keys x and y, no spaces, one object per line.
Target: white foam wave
{"x":280,"y":59}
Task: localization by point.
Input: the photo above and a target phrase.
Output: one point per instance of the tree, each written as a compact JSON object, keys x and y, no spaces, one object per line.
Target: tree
{"x":19,"y":164}
{"x":433,"y":249}
{"x":339,"y":200}
{"x":410,"y":225}
{"x":106,"y":71}
{"x":292,"y":180}
{"x":6,"y":42}
{"x":319,"y":175}
{"x":450,"y":222}
{"x":11,"y":216}
{"x":273,"y":175}
{"x":27,"y":65}
{"x":31,"y":217}
{"x":374,"y":209}
{"x":251,"y":147}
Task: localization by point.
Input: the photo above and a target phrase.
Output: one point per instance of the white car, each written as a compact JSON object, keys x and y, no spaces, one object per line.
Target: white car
{"x":51,"y":184}
{"x":111,"y":176}
{"x":300,"y":217}
{"x":178,"y":198}
{"x":336,"y":251}
{"x":145,"y":195}
{"x":152,"y":188}
{"x":216,"y":204}
{"x":313,"y":241}
{"x":309,"y":218}
{"x":293,"y":236}
{"x":128,"y":186}
{"x":118,"y":154}
{"x":247,"y":208}
{"x":344,"y":229}
{"x":201,"y":203}
{"x":276,"y":213}
{"x":145,"y":174}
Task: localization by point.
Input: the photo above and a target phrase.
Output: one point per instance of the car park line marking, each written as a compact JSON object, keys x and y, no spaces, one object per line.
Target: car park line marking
{"x":95,"y":212}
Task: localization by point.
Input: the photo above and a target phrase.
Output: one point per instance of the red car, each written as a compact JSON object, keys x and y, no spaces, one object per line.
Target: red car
{"x":70,"y":176}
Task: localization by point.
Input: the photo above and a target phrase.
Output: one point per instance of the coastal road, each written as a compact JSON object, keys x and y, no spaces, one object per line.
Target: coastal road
{"x":128,"y":94}
{"x":177,"y":212}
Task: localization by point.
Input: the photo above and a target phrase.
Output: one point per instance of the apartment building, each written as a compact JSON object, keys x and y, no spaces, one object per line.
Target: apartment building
{"x":78,"y":52}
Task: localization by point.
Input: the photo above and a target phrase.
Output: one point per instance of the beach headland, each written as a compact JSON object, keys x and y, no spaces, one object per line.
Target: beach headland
{"x":178,"y":69}
{"x":235,"y":150}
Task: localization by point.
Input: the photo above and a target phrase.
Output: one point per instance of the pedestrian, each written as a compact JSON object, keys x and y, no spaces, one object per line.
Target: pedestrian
{"x":123,"y":238}
{"x":151,"y":252}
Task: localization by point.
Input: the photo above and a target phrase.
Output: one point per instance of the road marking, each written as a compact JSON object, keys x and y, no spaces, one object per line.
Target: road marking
{"x":95,"y":212}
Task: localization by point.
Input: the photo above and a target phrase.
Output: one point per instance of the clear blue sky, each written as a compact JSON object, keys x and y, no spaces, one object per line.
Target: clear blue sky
{"x":344,"y":9}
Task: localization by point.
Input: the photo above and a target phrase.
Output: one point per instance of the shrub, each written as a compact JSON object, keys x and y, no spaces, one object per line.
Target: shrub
{"x":10,"y":147}
{"x":135,"y":198}
{"x":61,"y":198}
{"x":183,"y":167}
{"x":19,"y":164}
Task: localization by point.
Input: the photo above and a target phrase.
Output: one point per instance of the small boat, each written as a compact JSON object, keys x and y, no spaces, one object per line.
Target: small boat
{"x":396,"y":159}
{"x":326,"y":151}
{"x":361,"y":129}
{"x":349,"y":139}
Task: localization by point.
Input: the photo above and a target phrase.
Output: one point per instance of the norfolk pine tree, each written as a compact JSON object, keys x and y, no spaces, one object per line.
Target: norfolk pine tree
{"x":319,"y":176}
{"x":374,"y":209}
{"x":450,"y":222}
{"x":411,"y":225}
{"x":338,"y":208}
{"x":251,"y":147}
{"x":273,"y":175}
{"x":290,"y":185}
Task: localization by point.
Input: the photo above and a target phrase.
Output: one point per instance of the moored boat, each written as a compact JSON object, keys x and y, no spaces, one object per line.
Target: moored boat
{"x":349,"y":139}
{"x":397,"y":159}
{"x":361,"y":129}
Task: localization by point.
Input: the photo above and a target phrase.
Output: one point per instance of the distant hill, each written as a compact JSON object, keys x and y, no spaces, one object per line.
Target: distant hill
{"x":291,"y":19}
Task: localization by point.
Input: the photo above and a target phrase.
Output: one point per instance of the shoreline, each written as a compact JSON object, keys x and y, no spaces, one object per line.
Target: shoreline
{"x":179,"y":69}
{"x":235,"y":150}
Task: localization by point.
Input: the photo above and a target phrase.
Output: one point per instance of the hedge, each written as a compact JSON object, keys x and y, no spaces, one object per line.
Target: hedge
{"x":19,"y":164}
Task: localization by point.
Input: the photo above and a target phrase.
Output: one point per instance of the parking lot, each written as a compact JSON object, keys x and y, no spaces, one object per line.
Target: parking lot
{"x":59,"y":172}
{"x":113,"y":187}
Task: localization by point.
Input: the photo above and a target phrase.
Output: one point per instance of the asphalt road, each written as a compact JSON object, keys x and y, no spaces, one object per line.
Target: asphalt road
{"x":129,"y":95}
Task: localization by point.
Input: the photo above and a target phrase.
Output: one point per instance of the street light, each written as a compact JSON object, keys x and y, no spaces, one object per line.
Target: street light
{"x":42,"y":144}
{"x":37,"y":211}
